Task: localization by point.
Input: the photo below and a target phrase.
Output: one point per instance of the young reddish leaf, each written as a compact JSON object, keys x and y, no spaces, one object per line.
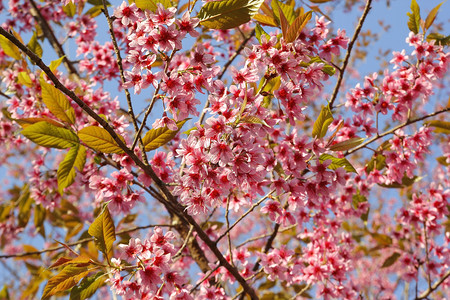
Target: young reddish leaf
{"x":391,"y":260}
{"x":431,"y":16}
{"x":156,"y":138}
{"x":99,"y":139}
{"x":79,"y":261}
{"x":57,"y":103}
{"x":320,"y":1}
{"x":267,"y":10}
{"x":348,"y":144}
{"x":87,"y":287}
{"x":25,"y":122}
{"x":337,"y":163}
{"x":320,"y":127}
{"x":75,"y":158}
{"x":104,"y":232}
{"x":297,"y":26}
{"x":228,"y":14}
{"x":65,"y":280}
{"x":414,"y":17}
{"x":265,"y":20}
{"x":9,"y":48}
{"x":59,"y":262}
{"x":51,"y":136}
{"x":284,"y":23}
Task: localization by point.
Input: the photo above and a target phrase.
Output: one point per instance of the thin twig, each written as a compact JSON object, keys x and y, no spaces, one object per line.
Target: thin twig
{"x":210,"y":272}
{"x":186,"y":239}
{"x":434,"y":287}
{"x":80,"y":242}
{"x":349,"y":51}
{"x":390,"y":131}
{"x":122,"y":77}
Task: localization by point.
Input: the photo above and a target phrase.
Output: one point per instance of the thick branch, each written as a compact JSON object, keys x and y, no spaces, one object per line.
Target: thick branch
{"x":349,"y":51}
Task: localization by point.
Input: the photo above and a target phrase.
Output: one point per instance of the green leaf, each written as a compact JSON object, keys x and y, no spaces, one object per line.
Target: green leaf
{"x":55,"y":63}
{"x":253,"y":120}
{"x":441,"y":126}
{"x":99,"y":139}
{"x":379,"y":161}
{"x":228,"y":14}
{"x":320,"y":1}
{"x":70,"y":9}
{"x":348,"y":144}
{"x":65,"y":280}
{"x":259,"y":31}
{"x":4,"y":293}
{"x":24,"y":79}
{"x":357,"y":199}
{"x":431,"y":16}
{"x":327,"y":69}
{"x":152,"y":4}
{"x":414,"y":17}
{"x":34,"y":45}
{"x":288,"y":11}
{"x":39,"y":218}
{"x":104,"y":232}
{"x":87,"y":287}
{"x":25,"y":202}
{"x":337,"y":163}
{"x":320,"y":127}
{"x":391,"y":260}
{"x":9,"y":48}
{"x":406,"y":181}
{"x":439,"y":38}
{"x":94,"y":11}
{"x":75,"y":158}
{"x":156,"y":138}
{"x":297,"y":26}
{"x":382,"y":239}
{"x":51,"y":136}
{"x":57,"y":103}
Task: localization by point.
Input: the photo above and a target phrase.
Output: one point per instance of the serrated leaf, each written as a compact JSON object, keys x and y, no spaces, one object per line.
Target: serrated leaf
{"x":406,"y":181}
{"x":324,"y":120}
{"x":337,"y":163}
{"x":65,"y":280}
{"x":156,"y":138}
{"x":99,"y":139}
{"x":87,"y":287}
{"x":259,"y":31}
{"x":104,"y":232}
{"x":431,"y":16}
{"x":348,"y":144}
{"x":443,"y":161}
{"x":441,"y":126}
{"x":75,"y":158}
{"x":57,"y":103}
{"x":9,"y":48}
{"x":297,"y":26}
{"x":228,"y":14}
{"x":391,"y":260}
{"x":265,"y":20}
{"x":48,"y":135}
{"x":283,"y":22}
{"x":414,"y":17}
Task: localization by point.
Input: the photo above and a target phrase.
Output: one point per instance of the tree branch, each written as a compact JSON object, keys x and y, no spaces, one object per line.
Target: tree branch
{"x":177,"y":208}
{"x":434,"y":287}
{"x":349,"y":51}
